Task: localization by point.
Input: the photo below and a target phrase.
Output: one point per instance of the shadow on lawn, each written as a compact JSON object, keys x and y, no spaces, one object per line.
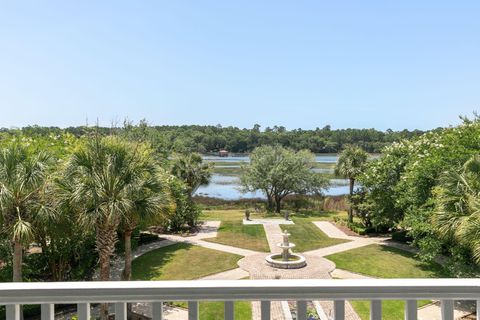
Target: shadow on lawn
{"x":437,"y":270}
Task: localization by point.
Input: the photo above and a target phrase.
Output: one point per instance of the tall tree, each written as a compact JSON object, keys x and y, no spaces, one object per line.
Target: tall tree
{"x":191,"y":169}
{"x":23,"y":173}
{"x":150,"y":200}
{"x":105,"y":175}
{"x":350,"y":165}
{"x":457,"y":214}
{"x":279,"y":172}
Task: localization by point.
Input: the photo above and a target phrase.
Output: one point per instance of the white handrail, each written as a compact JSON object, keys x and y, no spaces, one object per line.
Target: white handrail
{"x":231,"y":290}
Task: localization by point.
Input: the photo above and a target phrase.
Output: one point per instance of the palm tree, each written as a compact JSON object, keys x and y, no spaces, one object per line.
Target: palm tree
{"x":350,"y":165}
{"x":151,"y":200}
{"x":23,"y":173}
{"x":191,"y":169}
{"x":457,"y":213}
{"x":104,"y":177}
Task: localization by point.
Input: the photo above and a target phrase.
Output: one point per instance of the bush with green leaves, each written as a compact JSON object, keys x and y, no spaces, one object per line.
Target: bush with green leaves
{"x":400,"y":185}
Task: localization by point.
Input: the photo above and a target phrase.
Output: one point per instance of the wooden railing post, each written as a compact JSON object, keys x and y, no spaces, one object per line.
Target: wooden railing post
{"x":447,"y":309}
{"x":376,"y":310}
{"x":265,"y":310}
{"x":339,"y":309}
{"x":157,"y":310}
{"x":301,"y":310}
{"x":192,"y":310}
{"x":48,"y":312}
{"x":13,"y":312}
{"x":120,"y":311}
{"x":83,"y":311}
{"x":411,"y":310}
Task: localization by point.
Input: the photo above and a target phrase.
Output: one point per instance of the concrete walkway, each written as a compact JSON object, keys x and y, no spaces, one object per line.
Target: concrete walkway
{"x":274,"y":236}
{"x":234,"y":274}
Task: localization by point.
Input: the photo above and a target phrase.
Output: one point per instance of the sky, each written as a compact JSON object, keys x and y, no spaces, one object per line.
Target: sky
{"x":301,"y":64}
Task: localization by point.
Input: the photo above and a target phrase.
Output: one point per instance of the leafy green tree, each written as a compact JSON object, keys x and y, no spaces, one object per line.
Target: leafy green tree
{"x":350,"y":165}
{"x":279,"y":172}
{"x":105,"y":175}
{"x":457,"y":214}
{"x":191,"y":169}
{"x":23,"y":172}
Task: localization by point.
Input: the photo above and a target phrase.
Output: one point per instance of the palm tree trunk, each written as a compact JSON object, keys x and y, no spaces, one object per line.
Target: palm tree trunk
{"x":17,"y":261}
{"x":350,"y":209}
{"x":127,"y":271}
{"x":105,"y":242}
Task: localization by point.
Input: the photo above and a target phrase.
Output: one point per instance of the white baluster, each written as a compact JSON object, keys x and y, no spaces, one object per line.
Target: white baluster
{"x":339,"y":309}
{"x":478,"y":308}
{"x":83,"y":311}
{"x":192,"y":310}
{"x":376,"y":310}
{"x":48,"y":312}
{"x":120,"y":311}
{"x":265,"y":310}
{"x":229,"y":311}
{"x":13,"y":312}
{"x":411,"y":310}
{"x":447,"y":309}
{"x":301,"y":310}
{"x":157,"y":310}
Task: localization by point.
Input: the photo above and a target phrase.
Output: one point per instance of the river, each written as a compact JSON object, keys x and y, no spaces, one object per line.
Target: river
{"x":227,"y":186}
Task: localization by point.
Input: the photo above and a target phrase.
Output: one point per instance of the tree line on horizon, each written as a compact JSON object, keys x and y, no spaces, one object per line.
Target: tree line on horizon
{"x":211,"y":139}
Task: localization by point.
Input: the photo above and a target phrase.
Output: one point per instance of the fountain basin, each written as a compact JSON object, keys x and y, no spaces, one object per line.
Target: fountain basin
{"x":294,"y":261}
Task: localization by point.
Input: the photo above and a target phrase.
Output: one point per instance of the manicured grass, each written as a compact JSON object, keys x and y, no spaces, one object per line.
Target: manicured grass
{"x":215,"y":311}
{"x":307,"y":215}
{"x":228,"y":215}
{"x":303,"y":233}
{"x":186,"y":262}
{"x":234,"y":233}
{"x":386,"y":262}
{"x":307,"y":236}
{"x":391,"y":309}
{"x":182,"y":262}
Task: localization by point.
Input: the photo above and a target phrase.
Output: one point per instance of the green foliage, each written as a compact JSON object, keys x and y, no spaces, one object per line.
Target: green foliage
{"x":186,"y":213}
{"x":279,"y":172}
{"x":191,"y":169}
{"x":408,"y":183}
{"x":457,"y":211}
{"x":187,"y":139}
{"x":351,"y":162}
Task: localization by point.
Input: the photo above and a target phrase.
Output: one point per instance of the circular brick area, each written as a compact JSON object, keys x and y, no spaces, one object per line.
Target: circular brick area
{"x":316,"y":268}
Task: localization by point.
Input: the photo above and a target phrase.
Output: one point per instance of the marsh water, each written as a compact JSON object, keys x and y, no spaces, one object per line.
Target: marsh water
{"x":227,"y":185}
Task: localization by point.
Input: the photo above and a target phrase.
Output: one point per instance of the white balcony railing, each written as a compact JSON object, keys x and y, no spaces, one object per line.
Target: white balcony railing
{"x":83,"y":293}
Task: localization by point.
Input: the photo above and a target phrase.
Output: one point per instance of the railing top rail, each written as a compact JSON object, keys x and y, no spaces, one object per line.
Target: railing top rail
{"x":144,"y":291}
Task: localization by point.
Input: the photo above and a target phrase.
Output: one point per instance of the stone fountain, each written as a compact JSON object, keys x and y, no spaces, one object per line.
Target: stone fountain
{"x":286,"y":259}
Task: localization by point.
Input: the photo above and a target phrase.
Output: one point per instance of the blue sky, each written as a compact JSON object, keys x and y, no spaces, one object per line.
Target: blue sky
{"x":382,"y":64}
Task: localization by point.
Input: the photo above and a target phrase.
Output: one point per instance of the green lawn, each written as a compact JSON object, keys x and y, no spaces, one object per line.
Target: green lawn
{"x":307,"y":236}
{"x":386,"y":262}
{"x":186,"y":262}
{"x":391,"y":309}
{"x":303,"y":233}
{"x":214,"y":310}
{"x":234,"y":233}
{"x":182,"y":262}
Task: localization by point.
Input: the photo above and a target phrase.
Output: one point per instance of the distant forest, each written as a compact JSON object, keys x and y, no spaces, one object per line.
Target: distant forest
{"x":210,"y":139}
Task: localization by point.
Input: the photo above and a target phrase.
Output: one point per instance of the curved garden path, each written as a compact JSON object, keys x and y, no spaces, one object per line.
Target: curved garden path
{"x":280,"y":309}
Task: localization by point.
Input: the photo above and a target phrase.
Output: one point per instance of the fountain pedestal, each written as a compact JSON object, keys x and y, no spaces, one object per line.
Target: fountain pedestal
{"x":286,"y":259}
